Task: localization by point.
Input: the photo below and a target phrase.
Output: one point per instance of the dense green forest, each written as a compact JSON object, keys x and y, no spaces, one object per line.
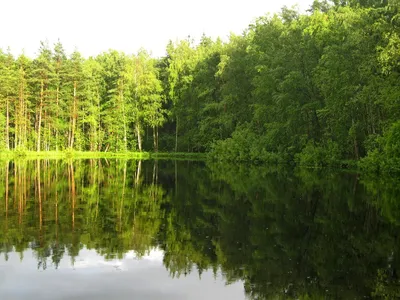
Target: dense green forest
{"x":319,"y":88}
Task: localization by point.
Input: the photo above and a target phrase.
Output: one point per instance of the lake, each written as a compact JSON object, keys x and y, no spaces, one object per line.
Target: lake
{"x":126,"y":229}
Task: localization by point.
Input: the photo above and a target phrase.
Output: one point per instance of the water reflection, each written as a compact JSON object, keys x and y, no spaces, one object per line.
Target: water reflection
{"x":92,"y":277}
{"x":282,"y":233}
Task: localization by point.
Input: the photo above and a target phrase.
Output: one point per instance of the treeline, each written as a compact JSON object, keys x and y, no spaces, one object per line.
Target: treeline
{"x":55,"y":102}
{"x":319,"y":88}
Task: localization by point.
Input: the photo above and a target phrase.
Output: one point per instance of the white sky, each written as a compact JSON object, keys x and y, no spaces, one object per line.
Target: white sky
{"x":93,"y":26}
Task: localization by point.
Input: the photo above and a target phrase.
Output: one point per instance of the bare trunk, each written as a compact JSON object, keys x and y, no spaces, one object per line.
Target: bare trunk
{"x":19,"y":121}
{"x":26,"y":125}
{"x":7,"y":125}
{"x":39,"y":125}
{"x":57,"y":101}
{"x":121,"y":99}
{"x":99,"y":140}
{"x":73,"y":118}
{"x":139,"y":137}
{"x":23,"y":114}
{"x":125,"y":136}
{"x":154,"y":139}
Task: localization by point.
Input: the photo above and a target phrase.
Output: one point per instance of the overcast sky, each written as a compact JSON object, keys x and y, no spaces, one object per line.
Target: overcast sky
{"x":93,"y":26}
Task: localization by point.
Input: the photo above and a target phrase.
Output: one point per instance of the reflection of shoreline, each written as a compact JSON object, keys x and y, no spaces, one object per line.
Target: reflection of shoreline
{"x":129,"y":278}
{"x":91,"y":259}
{"x":300,"y":231}
{"x":50,"y":206}
{"x":86,"y":259}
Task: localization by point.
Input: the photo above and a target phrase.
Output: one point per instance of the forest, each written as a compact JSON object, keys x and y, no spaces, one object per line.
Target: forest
{"x":315,"y":88}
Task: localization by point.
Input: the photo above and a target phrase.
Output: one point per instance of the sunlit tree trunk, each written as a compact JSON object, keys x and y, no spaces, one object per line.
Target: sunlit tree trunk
{"x":57,"y":113}
{"x":74,"y":116}
{"x":154,"y":139}
{"x":7,"y":124}
{"x":39,"y":122}
{"x":99,"y":137}
{"x":139,"y":138}
{"x":20,"y":121}
{"x":26,"y":125}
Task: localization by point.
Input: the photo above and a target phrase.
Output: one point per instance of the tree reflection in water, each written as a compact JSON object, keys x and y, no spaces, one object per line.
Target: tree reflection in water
{"x":301,"y":234}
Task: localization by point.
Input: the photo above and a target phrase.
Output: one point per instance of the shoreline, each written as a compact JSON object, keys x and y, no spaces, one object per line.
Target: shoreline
{"x":90,"y":155}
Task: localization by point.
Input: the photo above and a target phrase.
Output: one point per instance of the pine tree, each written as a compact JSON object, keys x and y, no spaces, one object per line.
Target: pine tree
{"x":42,"y":79}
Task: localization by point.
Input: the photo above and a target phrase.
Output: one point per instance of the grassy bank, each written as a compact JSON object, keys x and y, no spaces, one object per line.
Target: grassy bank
{"x":88,"y":155}
{"x":178,"y":155}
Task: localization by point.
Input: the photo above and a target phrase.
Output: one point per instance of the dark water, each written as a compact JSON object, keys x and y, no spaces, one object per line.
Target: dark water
{"x":102,"y":229}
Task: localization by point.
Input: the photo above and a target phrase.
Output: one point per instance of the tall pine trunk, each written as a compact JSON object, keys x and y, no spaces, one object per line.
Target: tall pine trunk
{"x":26,"y":125}
{"x":73,"y":119}
{"x":121,"y":96}
{"x":57,"y":108}
{"x":20,"y":121}
{"x":39,"y":123}
{"x":99,"y":139}
{"x":7,"y":124}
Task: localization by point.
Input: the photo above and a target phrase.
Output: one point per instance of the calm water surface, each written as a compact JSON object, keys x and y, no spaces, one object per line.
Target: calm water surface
{"x":125,"y":229}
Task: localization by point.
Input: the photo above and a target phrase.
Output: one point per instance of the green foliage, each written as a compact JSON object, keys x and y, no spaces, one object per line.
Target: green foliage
{"x":244,"y":145}
{"x":59,"y":102}
{"x":320,"y":155}
{"x":385,"y":153}
{"x":386,"y":286}
{"x":319,"y":89}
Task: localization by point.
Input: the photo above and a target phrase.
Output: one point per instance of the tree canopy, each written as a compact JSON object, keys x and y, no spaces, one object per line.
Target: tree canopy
{"x":319,"y":88}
